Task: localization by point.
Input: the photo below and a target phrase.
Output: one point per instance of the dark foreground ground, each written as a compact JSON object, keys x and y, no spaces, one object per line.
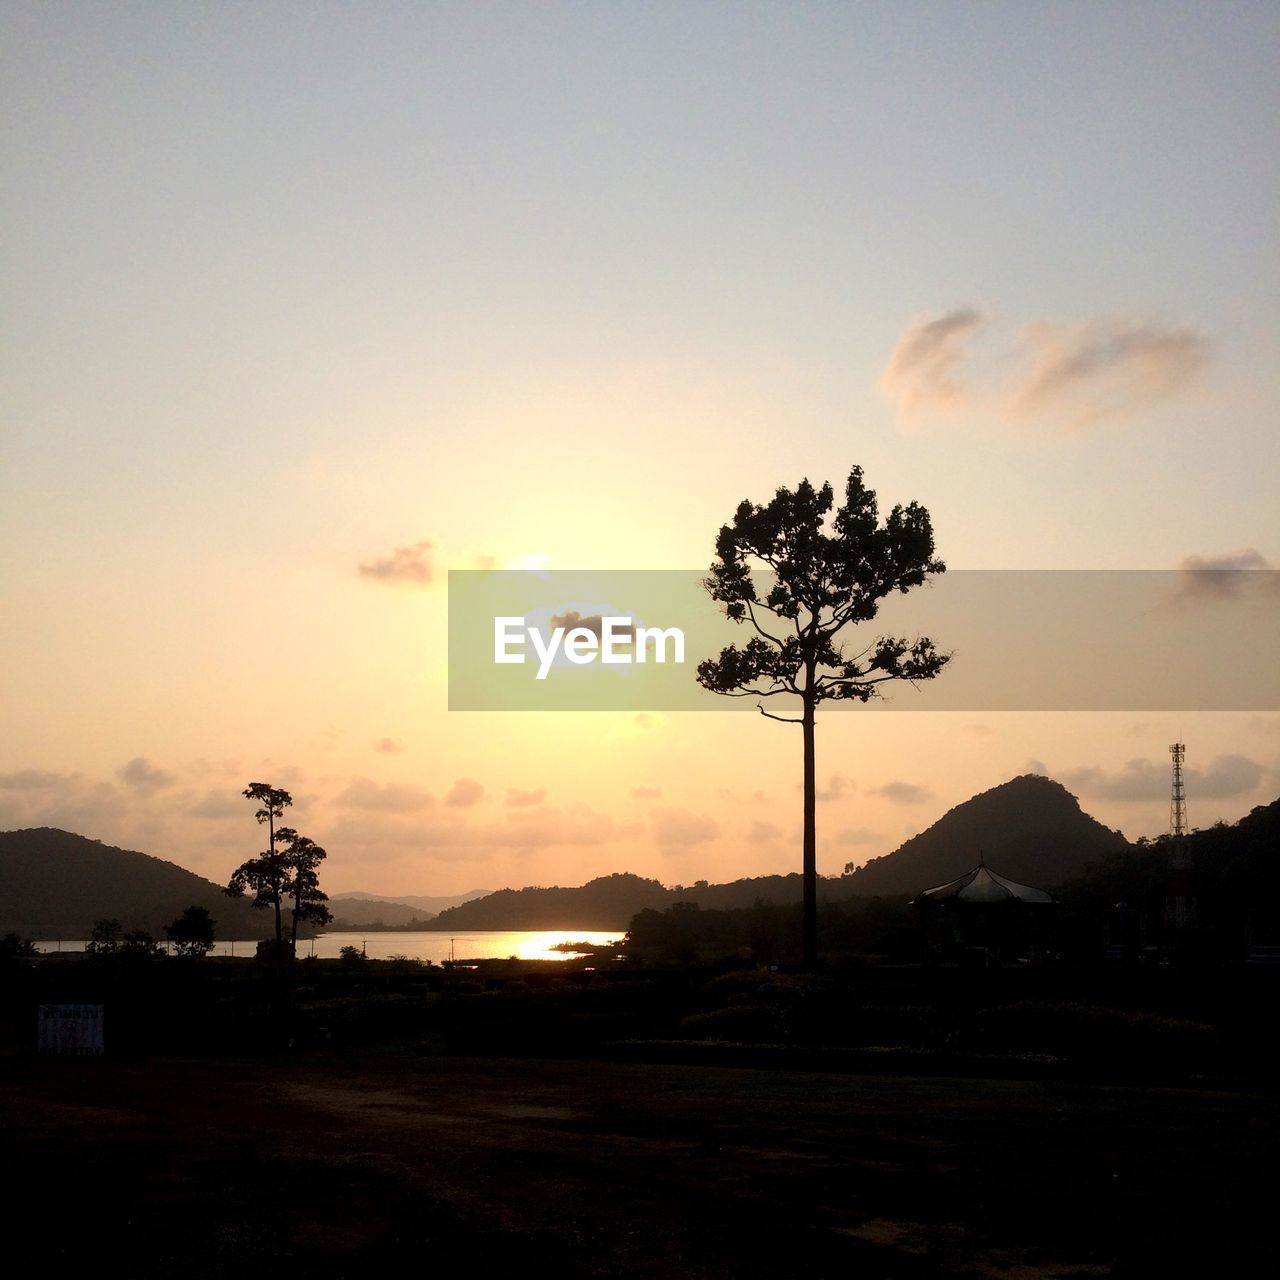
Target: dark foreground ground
{"x":348,"y":1164}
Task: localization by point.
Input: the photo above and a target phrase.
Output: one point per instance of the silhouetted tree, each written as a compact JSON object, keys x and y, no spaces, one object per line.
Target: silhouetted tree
{"x":823,"y":574}
{"x":303,"y":858}
{"x":13,"y":946}
{"x":192,"y":932}
{"x":138,"y":942}
{"x":105,"y":938}
{"x":267,"y":875}
{"x":267,"y":878}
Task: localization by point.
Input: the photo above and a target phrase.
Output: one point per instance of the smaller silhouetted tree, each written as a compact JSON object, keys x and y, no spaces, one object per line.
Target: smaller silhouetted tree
{"x":266,"y":877}
{"x":139,"y":943}
{"x":192,"y":932}
{"x":13,"y":946}
{"x":307,"y":900}
{"x":105,"y":938}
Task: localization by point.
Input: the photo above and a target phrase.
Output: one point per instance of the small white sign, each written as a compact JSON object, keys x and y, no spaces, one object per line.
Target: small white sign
{"x":70,"y":1030}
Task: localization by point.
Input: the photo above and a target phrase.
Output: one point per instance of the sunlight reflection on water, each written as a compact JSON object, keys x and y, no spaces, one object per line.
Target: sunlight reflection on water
{"x":477,"y":944}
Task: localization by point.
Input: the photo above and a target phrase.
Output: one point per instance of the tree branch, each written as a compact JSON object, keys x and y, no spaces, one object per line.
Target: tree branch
{"x":752,"y":613}
{"x":781,"y":719}
{"x":753,"y":693}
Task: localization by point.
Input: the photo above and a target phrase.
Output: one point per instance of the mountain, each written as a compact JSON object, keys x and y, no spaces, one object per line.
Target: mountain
{"x":54,"y":884}
{"x":421,"y":903}
{"x":371,"y":913}
{"x":607,"y":902}
{"x":1030,"y":829}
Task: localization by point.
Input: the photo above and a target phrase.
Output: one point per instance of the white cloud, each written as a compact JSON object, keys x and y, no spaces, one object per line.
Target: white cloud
{"x":923,"y":372}
{"x":1105,"y":368}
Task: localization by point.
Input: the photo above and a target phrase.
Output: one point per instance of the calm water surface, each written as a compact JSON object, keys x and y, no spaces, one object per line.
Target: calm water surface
{"x":477,"y":944}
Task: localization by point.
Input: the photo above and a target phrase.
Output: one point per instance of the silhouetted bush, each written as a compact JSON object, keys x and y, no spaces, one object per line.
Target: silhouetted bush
{"x":751,"y":1023}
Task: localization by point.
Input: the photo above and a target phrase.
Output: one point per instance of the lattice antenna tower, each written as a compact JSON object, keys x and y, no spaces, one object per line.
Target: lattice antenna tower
{"x":1178,"y":800}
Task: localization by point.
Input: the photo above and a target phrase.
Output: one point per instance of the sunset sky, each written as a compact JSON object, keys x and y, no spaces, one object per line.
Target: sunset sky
{"x":306,"y":305}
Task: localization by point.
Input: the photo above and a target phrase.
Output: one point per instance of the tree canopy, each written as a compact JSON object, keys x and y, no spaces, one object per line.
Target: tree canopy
{"x":822,"y":575}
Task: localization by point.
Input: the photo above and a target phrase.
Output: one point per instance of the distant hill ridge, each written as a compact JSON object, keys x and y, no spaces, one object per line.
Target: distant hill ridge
{"x":419,"y":901}
{"x":607,"y":902}
{"x":373,"y":910}
{"x":1029,"y":828}
{"x":55,"y":884}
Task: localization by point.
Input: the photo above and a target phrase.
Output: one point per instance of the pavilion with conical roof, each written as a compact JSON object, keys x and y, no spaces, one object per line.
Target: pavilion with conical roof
{"x":983,"y":918}
{"x":982,"y":885}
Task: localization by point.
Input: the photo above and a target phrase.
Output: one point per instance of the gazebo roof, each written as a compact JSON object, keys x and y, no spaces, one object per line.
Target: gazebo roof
{"x":982,"y":885}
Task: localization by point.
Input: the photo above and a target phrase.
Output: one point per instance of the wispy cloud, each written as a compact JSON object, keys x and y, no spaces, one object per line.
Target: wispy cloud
{"x":903,"y":793}
{"x":405,"y":566}
{"x":219,"y":806}
{"x":858,"y":835}
{"x":1148,"y":780}
{"x":387,"y":747}
{"x":678,"y":828}
{"x":34,"y":780}
{"x":545,"y":826}
{"x":836,"y":788}
{"x":593,"y":622}
{"x":36,"y":798}
{"x":1106,"y":368}
{"x":520,"y":799}
{"x":1223,"y":577}
{"x":1069,"y":374}
{"x":464,"y":793}
{"x":141,"y":775}
{"x":923,"y":372}
{"x":394,"y":797}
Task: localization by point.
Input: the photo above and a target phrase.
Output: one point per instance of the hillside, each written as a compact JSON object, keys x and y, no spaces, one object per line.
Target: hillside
{"x":1031,"y":829}
{"x":372,"y":910}
{"x":1235,"y":874}
{"x":608,"y":902}
{"x":54,"y":884}
{"x":375,"y":913}
{"x":424,"y":904}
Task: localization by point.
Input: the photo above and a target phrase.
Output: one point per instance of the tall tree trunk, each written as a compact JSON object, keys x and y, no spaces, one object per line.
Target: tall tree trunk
{"x":810,"y":920}
{"x":271,"y":850}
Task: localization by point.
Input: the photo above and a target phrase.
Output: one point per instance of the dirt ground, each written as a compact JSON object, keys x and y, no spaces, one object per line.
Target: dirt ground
{"x":337,"y":1166}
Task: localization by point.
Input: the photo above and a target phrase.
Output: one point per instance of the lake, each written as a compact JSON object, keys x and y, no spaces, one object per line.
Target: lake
{"x":475,"y":944}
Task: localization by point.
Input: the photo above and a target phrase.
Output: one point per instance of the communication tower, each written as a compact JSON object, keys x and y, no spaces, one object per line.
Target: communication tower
{"x":1179,"y":904}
